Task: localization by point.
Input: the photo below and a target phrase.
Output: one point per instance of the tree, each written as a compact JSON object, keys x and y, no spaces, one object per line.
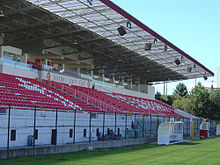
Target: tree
{"x":158,"y":96}
{"x":168,"y":99}
{"x":183,"y":104}
{"x":214,"y":109}
{"x":180,"y":91}
{"x":200,"y":101}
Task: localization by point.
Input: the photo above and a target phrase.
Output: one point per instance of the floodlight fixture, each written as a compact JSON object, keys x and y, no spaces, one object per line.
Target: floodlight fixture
{"x":165,"y":48}
{"x":177,"y":61}
{"x":182,"y":58}
{"x":148,"y":46}
{"x":194,"y":66}
{"x":129,"y":24}
{"x":121,"y":30}
{"x":155,"y":41}
{"x":205,"y":78}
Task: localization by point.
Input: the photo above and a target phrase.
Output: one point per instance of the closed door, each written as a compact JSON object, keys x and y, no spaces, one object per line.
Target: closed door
{"x":54,"y":137}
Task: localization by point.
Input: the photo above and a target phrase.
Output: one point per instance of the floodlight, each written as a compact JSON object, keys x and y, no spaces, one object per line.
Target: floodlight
{"x":148,"y":46}
{"x":205,"y":78}
{"x":121,"y":30}
{"x":194,"y":66}
{"x":129,"y":24}
{"x":177,"y":61}
{"x":155,"y":41}
{"x":165,"y":48}
{"x":182,"y":58}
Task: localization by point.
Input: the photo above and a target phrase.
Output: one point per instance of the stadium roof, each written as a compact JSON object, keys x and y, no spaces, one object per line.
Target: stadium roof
{"x":90,"y":28}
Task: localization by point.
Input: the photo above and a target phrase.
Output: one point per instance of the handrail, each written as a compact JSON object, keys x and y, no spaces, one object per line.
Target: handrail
{"x":87,"y":98}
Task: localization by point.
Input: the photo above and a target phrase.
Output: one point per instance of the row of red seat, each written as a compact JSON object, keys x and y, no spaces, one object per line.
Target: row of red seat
{"x":22,"y":91}
{"x":126,"y":103}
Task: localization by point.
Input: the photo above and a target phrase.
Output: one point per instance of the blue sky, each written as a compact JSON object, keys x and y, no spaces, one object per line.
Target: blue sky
{"x":191,"y":25}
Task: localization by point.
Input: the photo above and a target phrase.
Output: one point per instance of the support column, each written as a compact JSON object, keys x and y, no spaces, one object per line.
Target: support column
{"x":103,"y":125}
{"x":2,"y":36}
{"x":113,"y":79}
{"x":56,"y":125}
{"x":90,"y":127}
{"x":103,"y":76}
{"x":74,"y":127}
{"x":34,"y":132}
{"x":91,"y":73}
{"x":122,"y":82}
{"x":8,"y":141}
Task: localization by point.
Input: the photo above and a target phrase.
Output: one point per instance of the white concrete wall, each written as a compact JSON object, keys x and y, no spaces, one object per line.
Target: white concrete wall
{"x":150,"y":95}
{"x":19,"y":71}
{"x":22,"y":121}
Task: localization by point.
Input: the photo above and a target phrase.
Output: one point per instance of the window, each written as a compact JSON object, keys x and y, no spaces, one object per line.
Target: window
{"x":84,"y":133}
{"x":13,"y":135}
{"x":97,"y":132}
{"x":36,"y":134}
{"x":71,"y":133}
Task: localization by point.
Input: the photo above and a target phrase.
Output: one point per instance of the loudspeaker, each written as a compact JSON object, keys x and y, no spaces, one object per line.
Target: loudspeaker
{"x":121,"y":30}
{"x":177,"y":62}
{"x":148,"y":46}
{"x":205,"y":78}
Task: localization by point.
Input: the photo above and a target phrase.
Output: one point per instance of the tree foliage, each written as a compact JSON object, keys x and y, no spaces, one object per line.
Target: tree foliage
{"x":199,"y":102}
{"x":180,"y":90}
{"x":168,"y":99}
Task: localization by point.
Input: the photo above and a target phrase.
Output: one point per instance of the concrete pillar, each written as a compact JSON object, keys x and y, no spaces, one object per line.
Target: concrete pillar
{"x":131,"y":84}
{"x":78,"y":68}
{"x":122,"y":81}
{"x":103,"y":76}
{"x":164,"y":88}
{"x":2,"y":36}
{"x":113,"y":79}
{"x":139,"y":87}
{"x":92,"y":73}
{"x":24,"y":58}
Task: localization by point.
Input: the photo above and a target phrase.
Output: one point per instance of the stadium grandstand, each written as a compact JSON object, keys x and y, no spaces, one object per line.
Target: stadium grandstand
{"x":82,"y":70}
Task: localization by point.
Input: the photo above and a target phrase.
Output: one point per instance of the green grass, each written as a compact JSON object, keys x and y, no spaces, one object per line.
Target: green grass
{"x":204,"y":152}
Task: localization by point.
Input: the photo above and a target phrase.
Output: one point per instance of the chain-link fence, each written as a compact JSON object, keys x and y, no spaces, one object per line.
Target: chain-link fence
{"x":32,"y":126}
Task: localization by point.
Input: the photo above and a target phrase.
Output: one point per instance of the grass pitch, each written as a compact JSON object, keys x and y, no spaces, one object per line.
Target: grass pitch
{"x":204,"y":152}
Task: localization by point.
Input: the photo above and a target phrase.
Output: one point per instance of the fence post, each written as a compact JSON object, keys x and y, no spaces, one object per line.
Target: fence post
{"x":103,"y":126}
{"x":56,"y":125}
{"x":34,"y":133}
{"x":184,"y":129}
{"x":198,"y":127}
{"x":115,"y":122}
{"x":135,"y":135}
{"x":150,"y":124}
{"x":9,"y":117}
{"x":90,"y":126}
{"x":74,"y":127}
{"x":143,"y":128}
{"x":125,"y":126}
